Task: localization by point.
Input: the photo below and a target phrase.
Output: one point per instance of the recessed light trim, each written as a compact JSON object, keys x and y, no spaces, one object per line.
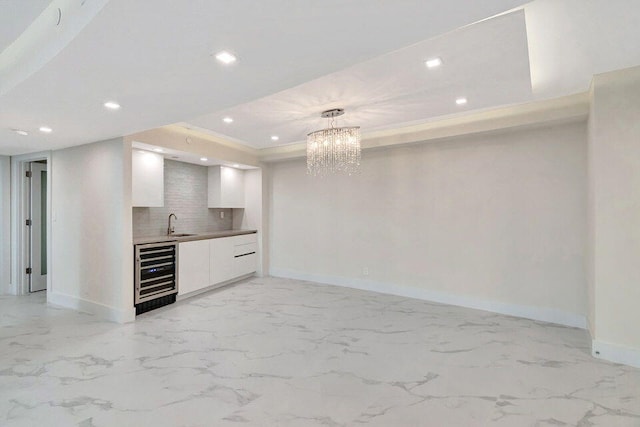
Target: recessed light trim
{"x":111,"y":105}
{"x":45,"y":129}
{"x":227,"y":120}
{"x":461,"y":101}
{"x":275,"y":137}
{"x":433,"y":62}
{"x":203,"y":159}
{"x":21,"y":132}
{"x":226,"y":57}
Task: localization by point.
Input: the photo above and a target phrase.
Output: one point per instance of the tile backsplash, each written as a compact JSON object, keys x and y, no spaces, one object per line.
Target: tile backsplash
{"x":185,"y":194}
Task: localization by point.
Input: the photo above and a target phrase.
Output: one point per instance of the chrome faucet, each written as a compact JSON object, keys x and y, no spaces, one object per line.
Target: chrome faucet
{"x":171,"y":229}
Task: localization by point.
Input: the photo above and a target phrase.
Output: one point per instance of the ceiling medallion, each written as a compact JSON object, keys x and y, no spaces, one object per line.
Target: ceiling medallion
{"x":333,"y":150}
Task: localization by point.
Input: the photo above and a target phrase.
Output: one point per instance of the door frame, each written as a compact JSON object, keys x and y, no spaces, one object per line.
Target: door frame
{"x":19,"y":215}
{"x":39,"y":223}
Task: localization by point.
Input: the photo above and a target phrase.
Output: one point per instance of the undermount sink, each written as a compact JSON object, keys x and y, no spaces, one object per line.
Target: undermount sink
{"x":181,"y":235}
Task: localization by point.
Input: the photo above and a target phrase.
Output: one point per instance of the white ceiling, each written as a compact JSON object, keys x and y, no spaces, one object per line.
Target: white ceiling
{"x":19,"y":15}
{"x":182,"y":156}
{"x":297,"y":58}
{"x":488,"y":63}
{"x":155,"y":58}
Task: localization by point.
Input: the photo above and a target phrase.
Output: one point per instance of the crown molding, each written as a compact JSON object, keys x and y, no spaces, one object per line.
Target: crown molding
{"x":200,"y":141}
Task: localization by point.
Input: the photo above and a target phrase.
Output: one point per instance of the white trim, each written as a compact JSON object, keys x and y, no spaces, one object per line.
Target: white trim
{"x":104,"y":311}
{"x":19,"y":245}
{"x":542,"y":314}
{"x":616,"y":353}
{"x":181,"y":297}
{"x":5,"y":225}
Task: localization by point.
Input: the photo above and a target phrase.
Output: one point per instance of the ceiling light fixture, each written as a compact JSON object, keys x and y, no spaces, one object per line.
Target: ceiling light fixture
{"x":433,"y":62}
{"x":275,"y":138}
{"x":158,"y":150}
{"x":203,"y":159}
{"x":21,"y":132}
{"x":225,"y":57}
{"x":111,"y":105}
{"x":45,"y":129}
{"x":461,"y":101}
{"x":227,"y":120}
{"x":333,"y":150}
{"x":235,"y":165}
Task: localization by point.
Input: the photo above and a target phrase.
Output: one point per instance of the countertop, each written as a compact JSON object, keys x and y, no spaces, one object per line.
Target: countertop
{"x":200,"y":236}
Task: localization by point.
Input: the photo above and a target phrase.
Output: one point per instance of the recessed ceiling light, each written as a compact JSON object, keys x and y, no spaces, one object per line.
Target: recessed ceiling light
{"x":433,"y":62}
{"x":235,"y":165}
{"x":46,"y":129}
{"x":227,"y":120}
{"x":225,"y":57}
{"x":21,"y":132}
{"x":158,"y":150}
{"x":461,"y":101}
{"x":203,"y":159}
{"x":275,"y":138}
{"x":112,"y":105}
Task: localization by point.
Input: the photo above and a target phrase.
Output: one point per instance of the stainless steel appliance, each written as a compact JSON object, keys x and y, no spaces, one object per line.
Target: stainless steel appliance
{"x":156,"y":275}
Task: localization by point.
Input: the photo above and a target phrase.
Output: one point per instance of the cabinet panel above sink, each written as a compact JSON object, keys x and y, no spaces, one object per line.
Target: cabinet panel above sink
{"x":226,"y":187}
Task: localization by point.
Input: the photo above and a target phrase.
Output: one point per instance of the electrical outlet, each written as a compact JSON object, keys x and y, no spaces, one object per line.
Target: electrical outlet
{"x":365,"y":271}
{"x":221,"y":214}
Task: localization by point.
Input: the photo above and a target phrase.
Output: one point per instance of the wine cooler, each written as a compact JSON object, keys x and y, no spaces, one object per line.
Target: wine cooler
{"x":156,"y":275}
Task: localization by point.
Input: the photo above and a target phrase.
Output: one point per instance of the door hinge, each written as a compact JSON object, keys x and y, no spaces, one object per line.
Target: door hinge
{"x":29,"y":174}
{"x":28,"y":223}
{"x":28,"y":270}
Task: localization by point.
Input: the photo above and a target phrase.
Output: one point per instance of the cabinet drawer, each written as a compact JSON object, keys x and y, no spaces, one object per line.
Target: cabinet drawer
{"x":244,"y":265}
{"x":243,"y":239}
{"x":244,"y":249}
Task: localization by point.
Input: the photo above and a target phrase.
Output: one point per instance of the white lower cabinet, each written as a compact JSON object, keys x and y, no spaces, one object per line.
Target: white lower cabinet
{"x":220,"y":261}
{"x":232,"y":257}
{"x":202,"y":263}
{"x":244,"y":265}
{"x":244,"y":259}
{"x":193,"y":266}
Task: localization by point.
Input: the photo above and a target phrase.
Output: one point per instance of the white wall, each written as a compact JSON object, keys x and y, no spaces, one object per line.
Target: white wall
{"x":614,"y":168}
{"x":5,"y":225}
{"x":92,"y":259}
{"x":490,"y":221}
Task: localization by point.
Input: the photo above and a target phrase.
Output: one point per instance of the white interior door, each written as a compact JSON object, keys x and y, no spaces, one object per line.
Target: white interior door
{"x":38,"y":228}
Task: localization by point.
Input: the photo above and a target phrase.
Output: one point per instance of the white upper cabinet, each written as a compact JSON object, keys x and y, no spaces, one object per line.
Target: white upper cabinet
{"x":147,"y":179}
{"x":226,"y":187}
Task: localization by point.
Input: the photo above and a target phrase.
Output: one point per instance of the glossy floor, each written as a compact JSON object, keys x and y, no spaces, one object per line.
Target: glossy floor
{"x":272,"y":352}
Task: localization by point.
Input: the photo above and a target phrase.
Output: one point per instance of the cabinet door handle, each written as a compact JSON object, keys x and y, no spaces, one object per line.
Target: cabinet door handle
{"x":238,"y":256}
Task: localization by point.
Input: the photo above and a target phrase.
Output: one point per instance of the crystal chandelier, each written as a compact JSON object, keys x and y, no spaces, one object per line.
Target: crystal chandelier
{"x":333,"y":150}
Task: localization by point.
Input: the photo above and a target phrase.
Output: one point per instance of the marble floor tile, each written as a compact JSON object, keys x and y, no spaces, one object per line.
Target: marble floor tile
{"x":277,"y":352}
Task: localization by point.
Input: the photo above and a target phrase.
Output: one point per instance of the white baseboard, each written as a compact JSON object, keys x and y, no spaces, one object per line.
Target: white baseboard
{"x":213,"y":287}
{"x":616,"y":353}
{"x":109,"y":313}
{"x":528,"y":312}
{"x":11,"y":289}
